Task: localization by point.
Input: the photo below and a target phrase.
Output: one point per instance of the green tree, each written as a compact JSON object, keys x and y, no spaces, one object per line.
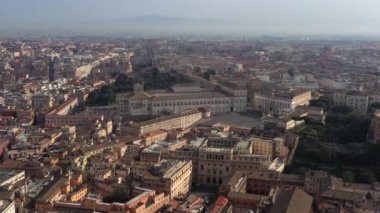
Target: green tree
{"x":373,"y":107}
{"x":103,"y":96}
{"x":123,"y":83}
{"x":107,"y":94}
{"x":197,"y":70}
{"x":208,"y":73}
{"x":291,"y":72}
{"x":369,"y":196}
{"x":324,"y":102}
{"x":155,"y":72}
{"x":120,"y":195}
{"x":348,"y":176}
{"x":346,"y":128}
{"x":341,"y":110}
{"x":367,"y":176}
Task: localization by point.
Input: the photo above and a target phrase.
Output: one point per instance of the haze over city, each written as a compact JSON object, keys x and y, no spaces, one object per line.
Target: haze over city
{"x":245,"y":17}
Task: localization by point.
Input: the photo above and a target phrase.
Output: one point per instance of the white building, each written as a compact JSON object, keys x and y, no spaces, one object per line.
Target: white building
{"x":7,"y":206}
{"x":179,"y":121}
{"x":274,"y":101}
{"x":182,"y":99}
{"x":10,"y":177}
{"x":355,"y":100}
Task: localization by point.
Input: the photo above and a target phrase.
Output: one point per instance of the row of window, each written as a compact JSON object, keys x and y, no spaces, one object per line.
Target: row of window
{"x":185,"y":103}
{"x":215,"y":157}
{"x":214,"y":170}
{"x":213,"y":180}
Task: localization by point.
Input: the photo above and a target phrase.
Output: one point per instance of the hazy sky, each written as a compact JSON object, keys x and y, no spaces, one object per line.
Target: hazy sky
{"x":340,"y":17}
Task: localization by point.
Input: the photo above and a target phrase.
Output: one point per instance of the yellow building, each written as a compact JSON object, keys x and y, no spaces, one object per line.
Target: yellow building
{"x":214,"y":165}
{"x":44,"y":201}
{"x":214,"y":162}
{"x":157,"y":135}
{"x":173,"y":177}
{"x":263,"y":147}
{"x":78,"y":194}
{"x":179,"y":121}
{"x":271,"y":147}
{"x":143,"y":201}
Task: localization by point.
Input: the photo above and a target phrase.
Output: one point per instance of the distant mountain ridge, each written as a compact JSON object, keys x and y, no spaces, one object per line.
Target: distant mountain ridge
{"x":133,"y":24}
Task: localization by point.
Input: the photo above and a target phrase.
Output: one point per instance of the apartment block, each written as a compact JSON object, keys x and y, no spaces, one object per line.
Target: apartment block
{"x":55,"y":120}
{"x":9,"y":177}
{"x":142,"y":201}
{"x":261,"y":182}
{"x":353,"y":99}
{"x":214,"y":163}
{"x":174,"y":177}
{"x":65,"y":107}
{"x":178,"y":121}
{"x":182,"y":99}
{"x":271,"y":147}
{"x":7,"y":206}
{"x":274,"y":101}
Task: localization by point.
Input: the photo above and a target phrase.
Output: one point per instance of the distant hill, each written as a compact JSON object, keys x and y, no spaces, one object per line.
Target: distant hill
{"x":153,"y":24}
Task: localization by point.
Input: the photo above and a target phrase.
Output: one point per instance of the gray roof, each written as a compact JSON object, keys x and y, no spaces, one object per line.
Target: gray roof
{"x":292,"y":201}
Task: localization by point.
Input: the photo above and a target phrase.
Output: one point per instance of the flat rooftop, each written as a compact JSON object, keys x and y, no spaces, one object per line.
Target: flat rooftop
{"x":186,"y":95}
{"x":243,"y":145}
{"x":155,"y":148}
{"x":4,"y":204}
{"x":198,"y":142}
{"x":288,"y":94}
{"x":167,"y":168}
{"x":164,"y":118}
{"x":214,"y":149}
{"x":6,"y":174}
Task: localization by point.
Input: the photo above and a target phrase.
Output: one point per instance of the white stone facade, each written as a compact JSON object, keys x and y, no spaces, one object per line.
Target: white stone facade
{"x":149,"y":103}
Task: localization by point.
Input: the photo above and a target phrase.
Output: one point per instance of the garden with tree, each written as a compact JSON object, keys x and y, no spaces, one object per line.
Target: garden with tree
{"x":340,"y":146}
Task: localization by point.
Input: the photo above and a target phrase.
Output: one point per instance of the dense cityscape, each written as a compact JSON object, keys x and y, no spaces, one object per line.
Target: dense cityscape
{"x":186,"y":122}
{"x":178,"y":125}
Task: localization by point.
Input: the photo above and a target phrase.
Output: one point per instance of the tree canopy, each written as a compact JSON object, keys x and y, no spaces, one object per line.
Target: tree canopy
{"x":107,"y":94}
{"x":339,"y":147}
{"x":153,"y":79}
{"x":324,"y":102}
{"x":206,"y":74}
{"x":373,"y":107}
{"x":120,"y":195}
{"x":348,"y":176}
